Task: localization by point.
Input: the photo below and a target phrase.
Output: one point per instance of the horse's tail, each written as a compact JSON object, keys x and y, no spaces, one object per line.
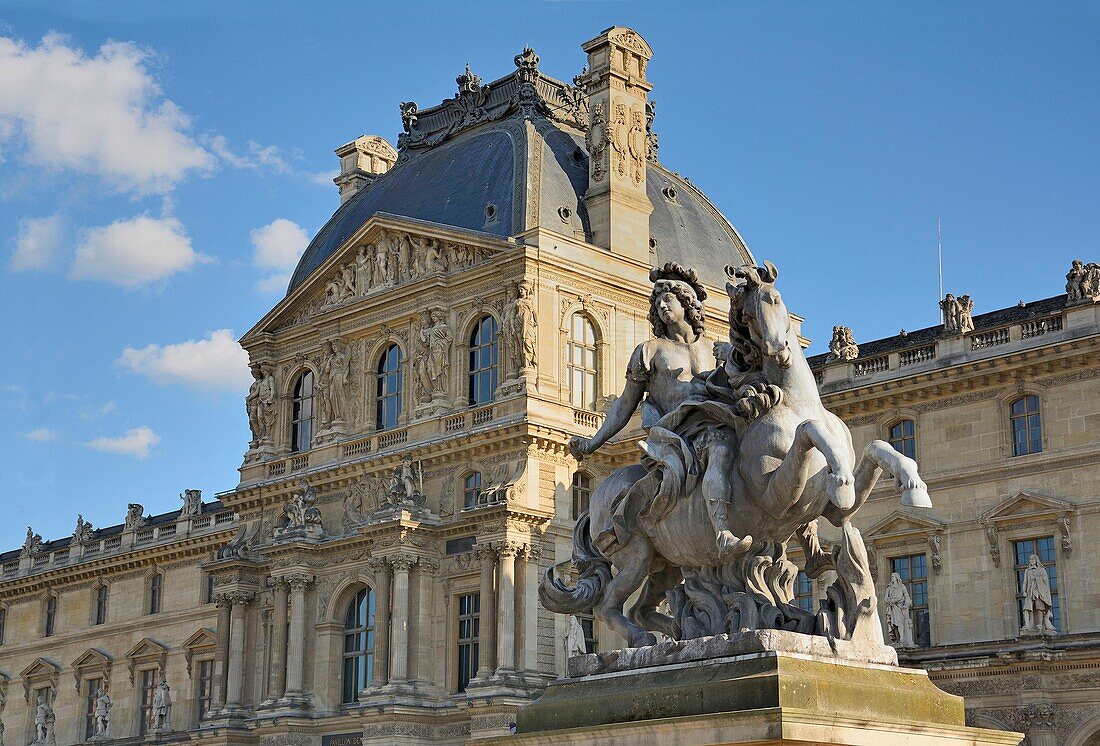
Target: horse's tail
{"x":595,"y":573}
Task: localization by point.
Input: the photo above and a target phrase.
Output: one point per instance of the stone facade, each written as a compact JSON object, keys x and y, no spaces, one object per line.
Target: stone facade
{"x":409,"y":479}
{"x":995,"y":496}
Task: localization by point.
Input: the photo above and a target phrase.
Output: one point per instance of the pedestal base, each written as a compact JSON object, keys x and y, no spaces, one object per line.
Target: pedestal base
{"x":769,"y":697}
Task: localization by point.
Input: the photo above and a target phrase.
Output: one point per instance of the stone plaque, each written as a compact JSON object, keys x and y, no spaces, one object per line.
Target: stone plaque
{"x":343,"y":739}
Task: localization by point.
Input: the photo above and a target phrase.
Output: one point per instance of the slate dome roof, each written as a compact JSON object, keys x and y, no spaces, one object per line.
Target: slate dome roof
{"x":471,"y":172}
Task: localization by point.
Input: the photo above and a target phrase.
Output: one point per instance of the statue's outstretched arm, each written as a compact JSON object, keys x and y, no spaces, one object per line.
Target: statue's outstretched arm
{"x":618,"y":414}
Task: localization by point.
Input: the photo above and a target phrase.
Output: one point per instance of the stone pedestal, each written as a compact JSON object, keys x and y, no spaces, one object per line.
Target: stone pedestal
{"x":771,"y":688}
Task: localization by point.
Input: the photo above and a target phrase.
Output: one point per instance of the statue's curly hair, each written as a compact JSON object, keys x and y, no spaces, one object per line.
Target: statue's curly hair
{"x":671,"y":278}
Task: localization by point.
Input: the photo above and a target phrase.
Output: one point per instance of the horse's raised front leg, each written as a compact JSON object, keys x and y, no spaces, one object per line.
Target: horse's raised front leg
{"x":789,"y":480}
{"x":633,"y":562}
{"x":879,"y":456}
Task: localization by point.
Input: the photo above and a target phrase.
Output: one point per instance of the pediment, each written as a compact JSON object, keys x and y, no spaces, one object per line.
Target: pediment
{"x":416,"y":251}
{"x":92,"y":658}
{"x":900,"y":523}
{"x":40,"y":668}
{"x":1027,"y":506}
{"x":147,"y":648}
{"x":203,"y":637}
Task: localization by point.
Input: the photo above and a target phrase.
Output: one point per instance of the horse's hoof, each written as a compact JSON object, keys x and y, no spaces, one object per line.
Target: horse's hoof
{"x":841,"y":490}
{"x":917,"y":497}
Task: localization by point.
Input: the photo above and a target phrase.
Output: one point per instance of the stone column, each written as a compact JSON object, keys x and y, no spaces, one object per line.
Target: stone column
{"x":487,"y":644}
{"x":277,"y":682}
{"x":221,"y":652}
{"x":506,"y":599}
{"x":380,"y":567}
{"x":400,"y":655}
{"x":234,"y":697}
{"x":296,"y":648}
{"x":529,"y":583}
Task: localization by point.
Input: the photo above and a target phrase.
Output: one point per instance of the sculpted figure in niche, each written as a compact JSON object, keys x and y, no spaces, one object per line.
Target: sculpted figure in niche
{"x":102,"y":714}
{"x":334,"y":383}
{"x":574,"y":639}
{"x":662,"y":374}
{"x":44,"y":720}
{"x":899,"y":622}
{"x":260,"y":404}
{"x":843,"y":344}
{"x":1038,"y":605}
{"x":520,"y":327}
{"x":162,"y":706}
{"x":435,"y":355}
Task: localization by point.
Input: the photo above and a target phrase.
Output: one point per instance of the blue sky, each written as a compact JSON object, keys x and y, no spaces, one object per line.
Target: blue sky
{"x":162,"y":162}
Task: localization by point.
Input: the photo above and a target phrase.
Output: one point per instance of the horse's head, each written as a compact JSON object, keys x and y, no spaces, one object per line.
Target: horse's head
{"x":756,"y":306}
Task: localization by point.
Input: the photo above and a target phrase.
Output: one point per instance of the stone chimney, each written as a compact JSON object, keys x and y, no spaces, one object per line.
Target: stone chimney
{"x":616,"y":86}
{"x":361,"y":162}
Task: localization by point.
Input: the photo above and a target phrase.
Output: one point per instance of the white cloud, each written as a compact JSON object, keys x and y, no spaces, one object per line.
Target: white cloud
{"x":38,"y":244}
{"x":273,"y":284}
{"x":92,"y":412}
{"x":134,"y":252}
{"x":42,"y":435}
{"x":216,"y":362}
{"x":279,"y":244}
{"x":135,"y":442}
{"x":276,"y":248}
{"x":324,"y":178}
{"x":103,"y":115}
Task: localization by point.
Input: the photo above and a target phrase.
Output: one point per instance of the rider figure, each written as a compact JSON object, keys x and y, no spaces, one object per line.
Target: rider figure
{"x":664,"y":373}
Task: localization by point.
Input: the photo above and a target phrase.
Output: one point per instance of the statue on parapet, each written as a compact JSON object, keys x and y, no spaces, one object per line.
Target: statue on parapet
{"x":1083,"y":281}
{"x":300,"y":513}
{"x":735,"y":431}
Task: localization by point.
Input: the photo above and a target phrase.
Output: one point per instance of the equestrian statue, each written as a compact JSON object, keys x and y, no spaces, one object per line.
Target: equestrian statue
{"x":739,"y":458}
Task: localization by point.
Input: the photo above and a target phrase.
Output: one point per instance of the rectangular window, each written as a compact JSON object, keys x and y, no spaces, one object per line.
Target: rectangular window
{"x":156,"y":590}
{"x":1043,"y":548}
{"x":145,"y":713}
{"x":51,"y":616}
{"x":913,"y":571}
{"x":804,"y":592}
{"x":208,"y":590}
{"x":3,"y":623}
{"x":204,"y":687}
{"x":101,"y":605}
{"x":588,"y":624}
{"x":469,"y":629}
{"x":93,"y":688}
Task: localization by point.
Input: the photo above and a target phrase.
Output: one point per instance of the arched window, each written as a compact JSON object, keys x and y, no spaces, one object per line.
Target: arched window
{"x":388,"y":397}
{"x":1027,"y":426}
{"x":301,"y":413}
{"x":581,"y":362}
{"x":101,"y":604}
{"x":903,"y":437}
{"x":471,"y":489}
{"x":358,"y":645}
{"x":582,"y":492}
{"x":484,"y":361}
{"x":156,"y":593}
{"x":51,"y":616}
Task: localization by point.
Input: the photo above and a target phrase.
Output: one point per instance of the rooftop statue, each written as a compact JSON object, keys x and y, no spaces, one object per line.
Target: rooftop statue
{"x":739,"y":457}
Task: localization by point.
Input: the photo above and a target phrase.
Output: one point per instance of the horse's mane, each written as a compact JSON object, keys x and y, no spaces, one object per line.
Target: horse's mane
{"x":754,"y":393}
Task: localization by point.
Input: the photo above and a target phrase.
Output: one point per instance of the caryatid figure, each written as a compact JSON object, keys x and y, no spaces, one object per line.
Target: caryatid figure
{"x":260,"y":404}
